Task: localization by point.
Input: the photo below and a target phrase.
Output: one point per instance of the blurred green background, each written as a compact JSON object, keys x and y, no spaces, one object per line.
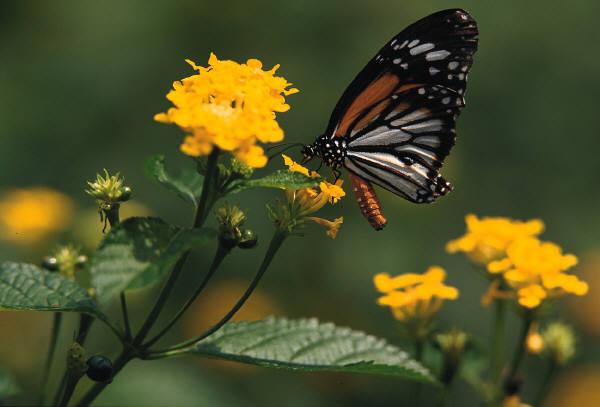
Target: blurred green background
{"x":81,"y":80}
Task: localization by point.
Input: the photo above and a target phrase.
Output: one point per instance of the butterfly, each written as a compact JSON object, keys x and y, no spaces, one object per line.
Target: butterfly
{"x":395,"y":123}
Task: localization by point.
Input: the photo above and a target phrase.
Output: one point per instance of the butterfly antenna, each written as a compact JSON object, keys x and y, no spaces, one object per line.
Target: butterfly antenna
{"x":286,"y":146}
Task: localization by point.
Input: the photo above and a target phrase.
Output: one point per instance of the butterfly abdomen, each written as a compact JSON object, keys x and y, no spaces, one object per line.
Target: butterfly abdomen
{"x":368,"y":202}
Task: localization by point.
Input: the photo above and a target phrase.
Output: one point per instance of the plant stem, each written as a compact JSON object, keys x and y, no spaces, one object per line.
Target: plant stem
{"x":64,"y":388}
{"x":206,"y":199}
{"x":131,"y":350}
{"x":56,"y":323}
{"x":70,"y":386}
{"x":498,"y":334}
{"x":125,"y":313}
{"x":552,"y":368}
{"x":518,"y":357}
{"x":219,"y":256}
{"x":112,"y":215}
{"x":276,"y":242}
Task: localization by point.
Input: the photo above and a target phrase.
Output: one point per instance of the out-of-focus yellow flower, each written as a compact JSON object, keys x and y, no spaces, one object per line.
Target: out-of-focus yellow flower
{"x":414,"y":296}
{"x":578,"y":387}
{"x":536,"y":270}
{"x":534,"y":342}
{"x":585,"y":309}
{"x":29,"y":215}
{"x":307,"y":201}
{"x":487,"y":238}
{"x":231,"y":106}
{"x":514,"y":401}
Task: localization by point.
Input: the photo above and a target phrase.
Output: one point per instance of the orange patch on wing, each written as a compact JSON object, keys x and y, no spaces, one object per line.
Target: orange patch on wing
{"x":376,"y":91}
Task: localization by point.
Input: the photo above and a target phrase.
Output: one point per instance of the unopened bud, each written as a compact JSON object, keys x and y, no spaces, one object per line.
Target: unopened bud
{"x":99,"y":368}
{"x":50,"y":263}
{"x":248,"y":240}
{"x":559,"y":340}
{"x":109,"y":190}
{"x":76,"y":363}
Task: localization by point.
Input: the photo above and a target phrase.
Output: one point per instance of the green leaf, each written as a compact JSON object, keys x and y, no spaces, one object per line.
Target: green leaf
{"x":28,"y":287}
{"x":188,"y":184}
{"x":138,"y":253}
{"x":8,"y":385}
{"x":280,"y":179}
{"x":310,"y":346}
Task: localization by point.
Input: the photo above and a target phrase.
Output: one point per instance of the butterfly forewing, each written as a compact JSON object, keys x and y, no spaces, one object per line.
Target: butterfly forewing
{"x":399,"y":114}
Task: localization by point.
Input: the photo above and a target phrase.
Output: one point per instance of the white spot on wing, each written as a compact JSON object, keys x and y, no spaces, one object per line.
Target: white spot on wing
{"x":453,"y":65}
{"x":413,"y":43}
{"x":437,"y":55}
{"x":433,"y":70}
{"x":422,"y":48}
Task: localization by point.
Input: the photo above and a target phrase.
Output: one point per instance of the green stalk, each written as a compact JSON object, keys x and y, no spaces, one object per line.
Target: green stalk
{"x":112,"y":215}
{"x":550,"y":372}
{"x":518,"y":356}
{"x":219,"y":256}
{"x":56,"y":323}
{"x":206,"y":200}
{"x":276,"y":242}
{"x":497,"y":346}
{"x":125,"y":313}
{"x":130,"y":351}
{"x":68,"y":382}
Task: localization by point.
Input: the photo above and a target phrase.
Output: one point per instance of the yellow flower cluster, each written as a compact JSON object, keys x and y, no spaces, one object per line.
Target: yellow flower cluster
{"x":516,"y":259}
{"x":537,"y":270}
{"x":414,"y":296}
{"x":487,"y":238}
{"x":29,"y":215}
{"x":307,"y":201}
{"x":230,"y":106}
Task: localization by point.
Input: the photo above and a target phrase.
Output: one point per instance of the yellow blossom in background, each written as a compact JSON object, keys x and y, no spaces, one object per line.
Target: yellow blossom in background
{"x":414,"y":296}
{"x":487,"y":238}
{"x":231,"y":106}
{"x":575,"y":387}
{"x":537,"y":270}
{"x":534,"y":343}
{"x":306,"y":201}
{"x":30,"y":215}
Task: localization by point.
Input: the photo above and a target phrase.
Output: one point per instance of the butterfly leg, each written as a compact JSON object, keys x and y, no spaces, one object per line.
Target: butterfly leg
{"x":337,"y":174}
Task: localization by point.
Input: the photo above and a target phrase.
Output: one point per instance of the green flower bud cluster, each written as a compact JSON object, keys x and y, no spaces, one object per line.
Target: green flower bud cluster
{"x":232,"y":233}
{"x":559,"y":342}
{"x":67,"y":260}
{"x":453,"y":345}
{"x":109,"y":190}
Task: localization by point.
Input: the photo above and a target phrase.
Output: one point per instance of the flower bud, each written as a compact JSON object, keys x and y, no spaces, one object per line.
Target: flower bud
{"x":534,"y":343}
{"x":100,"y":368}
{"x":240,"y":170}
{"x":248,"y":240}
{"x":231,"y":220}
{"x":76,"y":363}
{"x":560,"y":342}
{"x":452,"y":344}
{"x":109,"y":190}
{"x":69,"y":260}
{"x":50,"y":263}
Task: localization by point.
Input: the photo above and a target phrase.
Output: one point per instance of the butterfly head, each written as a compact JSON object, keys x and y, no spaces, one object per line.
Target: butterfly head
{"x":331,"y":150}
{"x":309,"y":152}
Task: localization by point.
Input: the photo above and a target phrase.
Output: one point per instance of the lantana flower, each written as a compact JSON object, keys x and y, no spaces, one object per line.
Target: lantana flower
{"x":29,"y":215}
{"x":414,"y":296}
{"x":306,"y":201}
{"x":487,"y":238}
{"x":536,"y":270}
{"x":230,"y":106}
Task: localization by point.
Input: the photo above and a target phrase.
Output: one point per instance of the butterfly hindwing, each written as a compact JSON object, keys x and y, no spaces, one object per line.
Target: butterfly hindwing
{"x":402,"y":147}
